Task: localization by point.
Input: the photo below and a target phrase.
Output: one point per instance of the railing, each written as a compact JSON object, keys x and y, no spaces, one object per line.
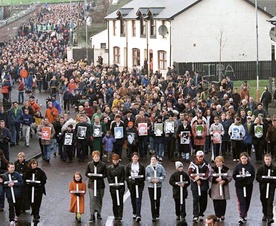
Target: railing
{"x":18,"y":16}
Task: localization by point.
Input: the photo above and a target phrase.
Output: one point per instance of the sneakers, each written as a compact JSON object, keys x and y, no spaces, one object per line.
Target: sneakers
{"x":153,"y":219}
{"x":195,"y":219}
{"x":78,"y":217}
{"x":134,"y":216}
{"x":241,"y":221}
{"x":138,"y":219}
{"x":270,"y":221}
{"x":178,"y":218}
{"x":12,"y":222}
{"x":99,"y":216}
{"x":15,"y":218}
{"x":200,"y":218}
{"x":264,"y":218}
{"x":234,"y":160}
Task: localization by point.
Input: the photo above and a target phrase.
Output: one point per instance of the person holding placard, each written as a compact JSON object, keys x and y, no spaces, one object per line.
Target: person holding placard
{"x":96,"y":172}
{"x":244,"y":174}
{"x":98,"y":130}
{"x":68,"y":142}
{"x":216,"y":132}
{"x":170,"y":126}
{"x":184,"y":132}
{"x":199,"y":130}
{"x":38,"y":189}
{"x":155,"y":175}
{"x":135,"y":177}
{"x":220,"y":179}
{"x":158,"y":138}
{"x":199,"y":172}
{"x":179,"y":181}
{"x":77,"y":189}
{"x":266,"y":176}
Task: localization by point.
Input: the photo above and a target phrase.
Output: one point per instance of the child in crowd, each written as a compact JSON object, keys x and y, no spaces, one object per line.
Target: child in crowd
{"x":77,"y":189}
{"x":108,"y":142}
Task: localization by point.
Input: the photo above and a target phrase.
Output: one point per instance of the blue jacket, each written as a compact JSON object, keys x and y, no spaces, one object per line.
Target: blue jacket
{"x":17,"y":186}
{"x":247,"y":138}
{"x":14,"y":118}
{"x":56,"y":105}
{"x":109,"y":142}
{"x":26,"y":119}
{"x":160,"y":173}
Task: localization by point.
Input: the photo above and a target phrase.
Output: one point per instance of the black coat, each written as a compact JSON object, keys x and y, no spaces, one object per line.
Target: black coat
{"x":39,"y":176}
{"x":138,"y":181}
{"x":119,"y":171}
{"x":175,"y":177}
{"x":101,"y":169}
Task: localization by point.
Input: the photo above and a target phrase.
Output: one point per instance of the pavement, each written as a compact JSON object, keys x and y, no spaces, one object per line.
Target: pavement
{"x":55,"y":205}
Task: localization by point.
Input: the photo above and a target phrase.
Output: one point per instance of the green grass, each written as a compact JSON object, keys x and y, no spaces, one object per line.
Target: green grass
{"x":26,"y":2}
{"x":253,"y":86}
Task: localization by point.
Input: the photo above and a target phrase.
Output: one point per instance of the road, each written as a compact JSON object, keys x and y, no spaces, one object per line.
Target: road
{"x":55,"y":205}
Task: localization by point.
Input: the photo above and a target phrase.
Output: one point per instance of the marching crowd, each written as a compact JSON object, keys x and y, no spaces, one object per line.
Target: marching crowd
{"x":128,"y":111}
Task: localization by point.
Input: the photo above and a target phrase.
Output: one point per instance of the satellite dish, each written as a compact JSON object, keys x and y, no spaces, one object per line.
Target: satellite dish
{"x":163,"y":30}
{"x":272,"y":34}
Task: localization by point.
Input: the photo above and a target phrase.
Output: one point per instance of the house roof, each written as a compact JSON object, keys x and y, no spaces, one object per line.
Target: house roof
{"x":268,"y":6}
{"x":168,"y":9}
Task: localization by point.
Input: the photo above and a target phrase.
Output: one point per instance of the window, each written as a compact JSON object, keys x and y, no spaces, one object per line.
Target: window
{"x":114,"y":27}
{"x":162,"y":59}
{"x":136,"y":57}
{"x":134,"y":28}
{"x":122,"y":27}
{"x":116,"y":54}
{"x":152,"y":28}
{"x":142,"y":27}
{"x":103,"y":45}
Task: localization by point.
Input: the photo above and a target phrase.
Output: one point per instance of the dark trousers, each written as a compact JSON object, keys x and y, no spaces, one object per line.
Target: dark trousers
{"x":143,"y":146}
{"x":170,"y":146}
{"x":155,"y":205}
{"x":14,"y":208}
{"x":216,"y":149}
{"x":118,"y":148}
{"x":259,"y":150}
{"x":5,"y":148}
{"x":236,"y":148}
{"x":136,"y":202}
{"x":37,"y":203}
{"x":220,"y":207}
{"x":267,"y":203}
{"x":180,"y":210}
{"x":117,"y":210}
{"x":66,"y":104}
{"x":2,"y":197}
{"x":68,"y":151}
{"x":247,"y":148}
{"x":199,"y":203}
{"x":244,"y":202}
{"x":41,"y":148}
{"x":82,"y":149}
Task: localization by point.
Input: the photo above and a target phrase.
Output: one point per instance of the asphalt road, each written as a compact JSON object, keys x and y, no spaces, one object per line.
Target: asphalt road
{"x":55,"y":205}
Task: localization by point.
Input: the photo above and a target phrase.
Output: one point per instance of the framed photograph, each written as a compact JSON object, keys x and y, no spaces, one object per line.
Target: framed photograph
{"x":46,"y":133}
{"x":217,"y":137}
{"x":81,"y":133}
{"x":131,"y":138}
{"x":185,"y":138}
{"x":68,"y":139}
{"x":158,"y":129}
{"x":119,"y":132}
{"x":236,"y":134}
{"x":258,"y":131}
{"x":199,"y":130}
{"x":142,"y":129}
{"x":169,"y":126}
{"x":97,"y":131}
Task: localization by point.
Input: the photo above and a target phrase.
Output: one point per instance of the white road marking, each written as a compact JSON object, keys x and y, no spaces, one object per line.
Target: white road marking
{"x":110,"y":219}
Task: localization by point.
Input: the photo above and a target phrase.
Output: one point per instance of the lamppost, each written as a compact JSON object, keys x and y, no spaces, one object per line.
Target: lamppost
{"x":257,"y":55}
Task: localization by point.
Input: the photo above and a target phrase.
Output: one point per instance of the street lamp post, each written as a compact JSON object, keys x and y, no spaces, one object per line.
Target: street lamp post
{"x":257,"y":55}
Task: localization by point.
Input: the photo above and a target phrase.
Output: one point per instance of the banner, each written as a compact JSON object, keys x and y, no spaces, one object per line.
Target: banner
{"x":46,"y":133}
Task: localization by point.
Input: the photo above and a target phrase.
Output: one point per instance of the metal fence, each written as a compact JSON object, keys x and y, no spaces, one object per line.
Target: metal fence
{"x":244,"y":70}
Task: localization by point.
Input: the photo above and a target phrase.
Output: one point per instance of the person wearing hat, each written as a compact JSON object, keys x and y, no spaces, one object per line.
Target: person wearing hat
{"x":236,"y":133}
{"x":180,"y":211}
{"x":134,"y":169}
{"x":153,"y":167}
{"x":116,"y":169}
{"x":260,"y":110}
{"x":200,"y":165}
{"x":118,"y":145}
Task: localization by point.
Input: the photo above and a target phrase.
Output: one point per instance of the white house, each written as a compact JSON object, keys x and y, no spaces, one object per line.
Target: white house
{"x":161,"y":32}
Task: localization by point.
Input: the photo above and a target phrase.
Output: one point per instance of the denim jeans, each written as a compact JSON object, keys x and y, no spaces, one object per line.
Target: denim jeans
{"x":47,"y":151}
{"x":159,"y":146}
{"x":21,"y":97}
{"x":15,"y":130}
{"x":2,"y":197}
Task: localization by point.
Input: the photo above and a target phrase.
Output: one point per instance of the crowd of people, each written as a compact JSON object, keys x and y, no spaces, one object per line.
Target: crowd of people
{"x":112,"y":112}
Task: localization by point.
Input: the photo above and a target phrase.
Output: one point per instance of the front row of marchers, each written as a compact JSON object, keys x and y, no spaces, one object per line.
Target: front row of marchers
{"x":23,"y":191}
{"x":27,"y":189}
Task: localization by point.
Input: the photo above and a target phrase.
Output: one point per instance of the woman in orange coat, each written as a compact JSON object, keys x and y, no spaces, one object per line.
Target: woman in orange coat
{"x":77,"y":189}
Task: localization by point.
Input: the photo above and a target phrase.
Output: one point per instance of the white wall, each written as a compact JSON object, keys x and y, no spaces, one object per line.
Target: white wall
{"x":195,"y":33}
{"x":96,"y":41}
